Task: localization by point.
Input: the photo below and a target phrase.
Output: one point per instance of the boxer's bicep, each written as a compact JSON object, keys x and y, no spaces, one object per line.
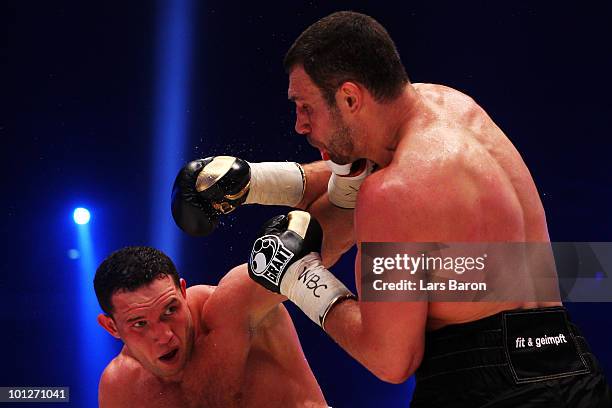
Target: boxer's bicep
{"x":399,"y":329}
{"x":387,"y":337}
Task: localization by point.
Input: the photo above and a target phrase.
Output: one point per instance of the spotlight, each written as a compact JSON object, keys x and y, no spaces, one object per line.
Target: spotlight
{"x":81,"y":216}
{"x":74,"y":254}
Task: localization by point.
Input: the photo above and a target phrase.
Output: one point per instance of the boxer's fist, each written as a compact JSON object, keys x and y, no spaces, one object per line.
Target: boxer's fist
{"x":282,"y":241}
{"x":207,"y":188}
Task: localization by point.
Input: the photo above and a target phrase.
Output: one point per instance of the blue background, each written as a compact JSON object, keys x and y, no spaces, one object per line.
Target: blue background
{"x":102,"y":102}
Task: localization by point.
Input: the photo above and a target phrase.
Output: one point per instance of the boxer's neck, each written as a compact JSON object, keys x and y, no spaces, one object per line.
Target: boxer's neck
{"x":388,"y":123}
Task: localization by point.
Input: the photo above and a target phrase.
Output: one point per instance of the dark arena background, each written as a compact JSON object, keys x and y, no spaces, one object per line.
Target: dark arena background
{"x":102,"y":103}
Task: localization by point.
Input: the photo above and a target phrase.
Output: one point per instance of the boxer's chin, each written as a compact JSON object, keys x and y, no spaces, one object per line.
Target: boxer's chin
{"x":311,"y":142}
{"x":338,"y":159}
{"x":171,"y":363}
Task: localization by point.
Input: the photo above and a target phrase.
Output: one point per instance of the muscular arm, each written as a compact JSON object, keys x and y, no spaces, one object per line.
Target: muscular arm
{"x":238,"y":302}
{"x":337,"y":223}
{"x":386,"y":337}
{"x":317,"y":175}
{"x":232,"y":316}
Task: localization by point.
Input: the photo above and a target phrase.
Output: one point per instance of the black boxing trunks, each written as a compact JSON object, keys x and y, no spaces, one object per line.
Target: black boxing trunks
{"x":519,"y":358}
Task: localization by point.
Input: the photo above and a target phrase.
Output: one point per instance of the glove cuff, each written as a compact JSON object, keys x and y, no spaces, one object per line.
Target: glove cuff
{"x":314,"y":289}
{"x":276,"y":183}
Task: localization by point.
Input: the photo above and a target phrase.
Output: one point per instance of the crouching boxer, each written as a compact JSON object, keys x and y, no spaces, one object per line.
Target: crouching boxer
{"x":233,"y":345}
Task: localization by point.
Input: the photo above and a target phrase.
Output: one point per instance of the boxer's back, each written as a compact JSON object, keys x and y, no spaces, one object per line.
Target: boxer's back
{"x":478,"y":152}
{"x":472,"y":182}
{"x":232,"y":365}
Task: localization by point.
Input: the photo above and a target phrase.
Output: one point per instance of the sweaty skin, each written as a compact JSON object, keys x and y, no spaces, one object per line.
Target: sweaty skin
{"x":244,"y":349}
{"x":446,"y":173}
{"x":459,"y":179}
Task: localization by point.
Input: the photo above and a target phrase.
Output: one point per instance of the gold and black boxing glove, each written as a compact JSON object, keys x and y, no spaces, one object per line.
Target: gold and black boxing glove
{"x":206,"y":189}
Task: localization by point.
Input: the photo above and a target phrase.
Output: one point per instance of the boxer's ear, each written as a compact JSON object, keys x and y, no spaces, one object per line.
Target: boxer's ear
{"x":349,"y":97}
{"x":183,"y":287}
{"x":108,"y":324}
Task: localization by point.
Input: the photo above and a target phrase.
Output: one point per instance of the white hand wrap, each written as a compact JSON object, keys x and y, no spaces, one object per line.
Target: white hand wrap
{"x":314,"y":289}
{"x":342,"y":190}
{"x":339,"y":169}
{"x":276,"y":183}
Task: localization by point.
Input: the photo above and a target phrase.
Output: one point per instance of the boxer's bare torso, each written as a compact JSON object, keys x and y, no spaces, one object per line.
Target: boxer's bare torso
{"x":233,"y":363}
{"x":454,"y":177}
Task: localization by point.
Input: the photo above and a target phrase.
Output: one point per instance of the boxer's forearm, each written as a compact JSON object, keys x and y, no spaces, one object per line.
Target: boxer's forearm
{"x":317,"y":176}
{"x":384,"y":354}
{"x":337,"y":225}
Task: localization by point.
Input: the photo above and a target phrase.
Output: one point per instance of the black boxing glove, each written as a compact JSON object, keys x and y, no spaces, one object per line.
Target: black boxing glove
{"x":207,"y":188}
{"x":285,"y":260}
{"x":283,"y":240}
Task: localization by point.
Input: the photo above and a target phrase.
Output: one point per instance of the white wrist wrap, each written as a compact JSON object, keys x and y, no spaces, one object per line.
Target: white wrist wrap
{"x":313,"y":288}
{"x":342,"y":190}
{"x":276,"y":183}
{"x":339,"y":169}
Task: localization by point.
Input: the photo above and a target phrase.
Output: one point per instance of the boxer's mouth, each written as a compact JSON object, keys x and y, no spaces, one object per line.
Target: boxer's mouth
{"x":169,"y":356}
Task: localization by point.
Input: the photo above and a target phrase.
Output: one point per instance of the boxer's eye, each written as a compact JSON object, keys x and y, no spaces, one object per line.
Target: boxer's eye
{"x":139,"y":324}
{"x":170,"y":310}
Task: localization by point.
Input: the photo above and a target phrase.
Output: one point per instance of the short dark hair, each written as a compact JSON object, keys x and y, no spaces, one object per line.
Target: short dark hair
{"x":128,"y":269}
{"x":349,"y":46}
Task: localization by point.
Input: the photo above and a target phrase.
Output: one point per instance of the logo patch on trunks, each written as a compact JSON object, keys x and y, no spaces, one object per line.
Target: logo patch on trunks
{"x":269,"y":258}
{"x":540,"y":346}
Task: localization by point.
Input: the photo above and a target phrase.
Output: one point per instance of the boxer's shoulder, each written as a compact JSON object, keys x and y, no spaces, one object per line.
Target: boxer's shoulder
{"x":119,"y":378}
{"x":443,"y":95}
{"x":416,"y":199}
{"x":197,"y":295}
{"x":197,"y":298}
{"x":406,"y":176}
{"x":381,"y":205}
{"x":452,"y":112}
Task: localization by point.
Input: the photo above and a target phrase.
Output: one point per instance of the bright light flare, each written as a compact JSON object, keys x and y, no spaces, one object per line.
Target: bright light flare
{"x":81,"y":216}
